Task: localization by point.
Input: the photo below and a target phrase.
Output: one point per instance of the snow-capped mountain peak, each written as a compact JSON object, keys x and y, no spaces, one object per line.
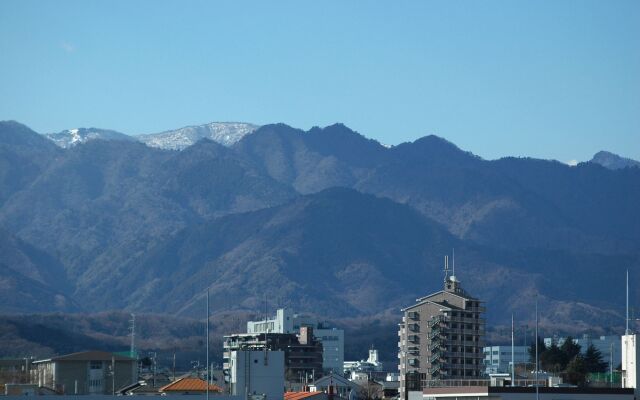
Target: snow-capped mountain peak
{"x":71,"y":137}
{"x":225,"y":133}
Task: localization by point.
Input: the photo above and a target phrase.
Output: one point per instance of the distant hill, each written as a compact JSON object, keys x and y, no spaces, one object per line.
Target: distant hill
{"x":324,"y":219}
{"x":613,"y":161}
{"x":31,"y":279}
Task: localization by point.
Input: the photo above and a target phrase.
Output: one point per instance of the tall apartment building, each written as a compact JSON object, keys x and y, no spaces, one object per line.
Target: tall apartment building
{"x":441,"y":338}
{"x":285,"y":321}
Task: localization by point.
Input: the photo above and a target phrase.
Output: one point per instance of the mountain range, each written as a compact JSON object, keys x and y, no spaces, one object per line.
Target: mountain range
{"x":229,"y":133}
{"x":324,"y":221}
{"x":225,"y":133}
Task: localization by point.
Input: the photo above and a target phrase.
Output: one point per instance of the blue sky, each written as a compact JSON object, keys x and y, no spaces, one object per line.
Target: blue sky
{"x":547,"y":79}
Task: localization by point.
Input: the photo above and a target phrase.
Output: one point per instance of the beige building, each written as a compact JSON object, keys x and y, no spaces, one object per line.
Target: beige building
{"x":441,"y":339}
{"x":89,"y":372}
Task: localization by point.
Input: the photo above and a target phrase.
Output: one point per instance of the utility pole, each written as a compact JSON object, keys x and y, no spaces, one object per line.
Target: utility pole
{"x":537,"y":391}
{"x":113,"y":375}
{"x":133,"y":335}
{"x":513,"y":363}
{"x":611,"y":364}
{"x":207,"y":343}
{"x":173,"y":377}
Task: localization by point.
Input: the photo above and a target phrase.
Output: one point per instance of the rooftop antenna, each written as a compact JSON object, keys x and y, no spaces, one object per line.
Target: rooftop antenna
{"x":446,"y":268}
{"x":266,"y":330}
{"x":453,"y":262}
{"x":627,"y":331}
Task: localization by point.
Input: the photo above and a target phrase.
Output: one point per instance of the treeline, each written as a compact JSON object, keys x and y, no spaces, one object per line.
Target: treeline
{"x":568,"y":361}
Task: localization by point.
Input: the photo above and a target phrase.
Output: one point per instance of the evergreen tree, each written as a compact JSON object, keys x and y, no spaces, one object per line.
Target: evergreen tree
{"x":570,"y":350}
{"x":593,"y":360}
{"x":553,"y":359}
{"x":532,"y":350}
{"x":576,"y":372}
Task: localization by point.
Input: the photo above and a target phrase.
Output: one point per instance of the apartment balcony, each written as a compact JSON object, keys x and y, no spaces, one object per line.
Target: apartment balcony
{"x":440,"y":319}
{"x":437,"y":334}
{"x":437,"y":346}
{"x":451,"y":354}
{"x":413,"y":315}
{"x":436,"y":359}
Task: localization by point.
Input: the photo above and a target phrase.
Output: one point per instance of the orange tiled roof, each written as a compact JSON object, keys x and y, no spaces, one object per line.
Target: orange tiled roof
{"x":299,"y":395}
{"x":189,"y":384}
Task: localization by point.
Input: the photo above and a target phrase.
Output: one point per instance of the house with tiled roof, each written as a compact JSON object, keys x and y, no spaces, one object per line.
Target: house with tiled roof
{"x":305,"y":395}
{"x":189,"y":385}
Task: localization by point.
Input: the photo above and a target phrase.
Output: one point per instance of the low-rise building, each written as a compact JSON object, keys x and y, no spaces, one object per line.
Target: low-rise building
{"x":497,"y":359}
{"x":14,"y":370}
{"x":337,"y":384}
{"x":189,"y":385}
{"x":371,"y":364}
{"x":88,"y":372}
{"x":525,"y":393}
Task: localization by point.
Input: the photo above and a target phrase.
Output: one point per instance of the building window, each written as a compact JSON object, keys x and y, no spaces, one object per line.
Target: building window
{"x":95,"y":364}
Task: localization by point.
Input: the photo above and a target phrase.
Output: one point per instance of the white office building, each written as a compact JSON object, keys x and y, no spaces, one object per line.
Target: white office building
{"x":630,"y":357}
{"x":371,"y":364}
{"x":497,"y":359}
{"x":285,"y":321}
{"x":257,"y":374}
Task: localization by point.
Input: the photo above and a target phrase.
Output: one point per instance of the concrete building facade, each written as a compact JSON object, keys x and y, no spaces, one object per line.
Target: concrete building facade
{"x":441,"y":338}
{"x":285,"y":321}
{"x":89,"y":372}
{"x":257,"y":373}
{"x":630,"y":358}
{"x":302,"y":353}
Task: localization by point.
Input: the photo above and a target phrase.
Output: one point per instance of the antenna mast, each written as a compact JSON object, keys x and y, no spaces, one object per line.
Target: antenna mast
{"x":453,"y":259}
{"x":513,"y":364}
{"x":627,"y":331}
{"x":446,"y":268}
